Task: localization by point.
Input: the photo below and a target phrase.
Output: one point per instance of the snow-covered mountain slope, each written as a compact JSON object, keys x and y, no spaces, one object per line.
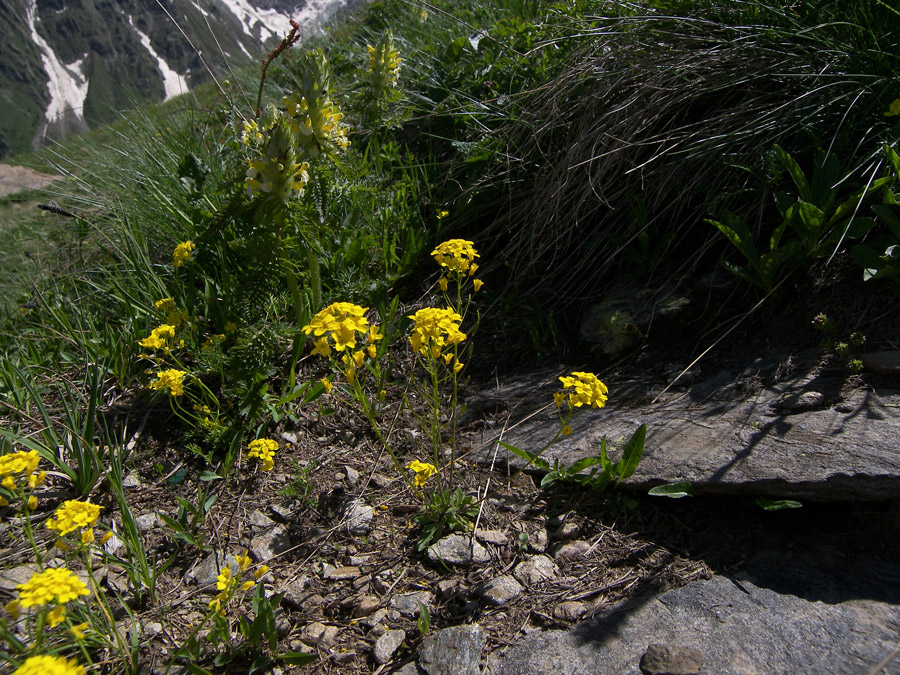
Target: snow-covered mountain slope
{"x":66,"y":65}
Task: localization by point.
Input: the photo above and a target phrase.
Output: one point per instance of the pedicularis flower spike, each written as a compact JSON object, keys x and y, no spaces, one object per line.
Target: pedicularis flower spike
{"x":73,"y":515}
{"x":384,"y":63}
{"x":264,"y":449}
{"x":49,"y":665}
{"x":583,"y":389}
{"x":434,"y":330}
{"x":52,"y":585}
{"x":457,"y":255}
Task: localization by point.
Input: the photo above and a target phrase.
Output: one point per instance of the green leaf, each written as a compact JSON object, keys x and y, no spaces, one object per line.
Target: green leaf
{"x":796,"y":174}
{"x":582,"y":464}
{"x":195,"y":669}
{"x":207,"y":476}
{"x":604,"y":459}
{"x":777,"y":505}
{"x":811,"y":216}
{"x":177,"y":478}
{"x":424,"y":621}
{"x":631,"y":456}
{"x":537,"y":460}
{"x":260,"y":663}
{"x":673,"y":490}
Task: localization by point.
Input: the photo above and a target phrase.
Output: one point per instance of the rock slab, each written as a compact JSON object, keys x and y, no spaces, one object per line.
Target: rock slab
{"x":724,"y":442}
{"x":735,"y":626}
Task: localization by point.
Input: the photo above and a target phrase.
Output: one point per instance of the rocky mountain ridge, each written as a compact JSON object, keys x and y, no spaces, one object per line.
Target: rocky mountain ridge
{"x":68,"y":65}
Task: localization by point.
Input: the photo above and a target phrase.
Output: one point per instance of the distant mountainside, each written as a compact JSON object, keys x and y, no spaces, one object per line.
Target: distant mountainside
{"x":67,"y":65}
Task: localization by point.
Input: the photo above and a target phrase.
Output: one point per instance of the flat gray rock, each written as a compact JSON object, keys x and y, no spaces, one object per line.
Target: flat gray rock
{"x":739,"y":628}
{"x":453,"y":651}
{"x":725,"y":443}
{"x":458,"y":549}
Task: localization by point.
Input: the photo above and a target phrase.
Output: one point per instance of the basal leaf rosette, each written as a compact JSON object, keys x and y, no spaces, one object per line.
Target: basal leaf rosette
{"x":581,"y":389}
{"x":434,"y":331}
{"x":342,"y":327}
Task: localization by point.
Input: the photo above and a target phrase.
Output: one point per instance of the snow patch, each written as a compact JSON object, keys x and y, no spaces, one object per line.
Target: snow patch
{"x":267,"y":23}
{"x":173,"y":83}
{"x":68,"y":84}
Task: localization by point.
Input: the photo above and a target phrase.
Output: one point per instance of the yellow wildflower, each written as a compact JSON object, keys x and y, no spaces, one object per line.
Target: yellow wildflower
{"x":264,"y":450}
{"x":56,"y":615}
{"x":18,"y":462}
{"x":13,"y":608}
{"x":442,"y":283}
{"x":171,"y":380}
{"x":434,"y":329}
{"x":231,"y":327}
{"x":584,"y":389}
{"x":338,"y":325}
{"x":442,"y":213}
{"x":423,"y":471}
{"x":456,"y":255}
{"x":243,"y":561}
{"x":158,"y":338}
{"x":327,"y":384}
{"x":182,"y":253}
{"x":32,"y":503}
{"x":260,"y":571}
{"x":49,"y":665}
{"x":566,"y":430}
{"x":225,"y":581}
{"x":894,"y":108}
{"x":73,"y":515}
{"x":247,"y":585}
{"x":52,"y":585}
{"x":78,"y":630}
{"x":477,"y":284}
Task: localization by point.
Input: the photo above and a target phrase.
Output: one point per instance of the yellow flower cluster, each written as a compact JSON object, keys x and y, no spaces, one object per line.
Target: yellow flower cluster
{"x":457,"y":256}
{"x":171,"y":380}
{"x":435,"y":329}
{"x":582,"y":389}
{"x":384,"y":64}
{"x":24,"y":463}
{"x":422,"y":470}
{"x":49,"y":665}
{"x":182,"y":253}
{"x":53,"y":585}
{"x":227,"y":582}
{"x":174,"y":316}
{"x":894,"y":108}
{"x":159,"y":338}
{"x":74,"y":515}
{"x":264,"y":449}
{"x":337,"y":326}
